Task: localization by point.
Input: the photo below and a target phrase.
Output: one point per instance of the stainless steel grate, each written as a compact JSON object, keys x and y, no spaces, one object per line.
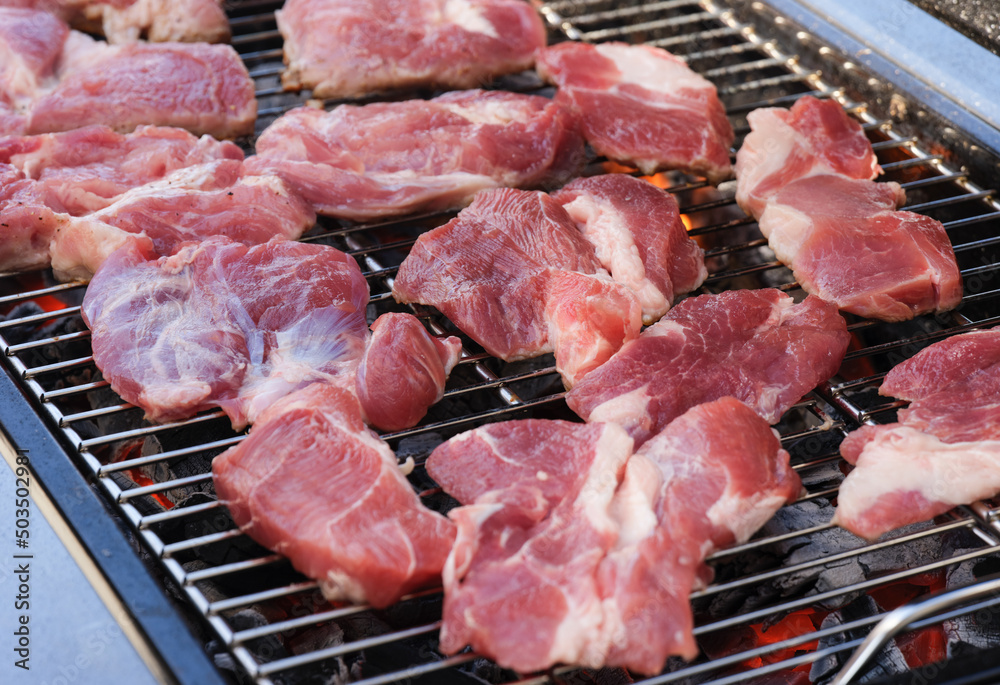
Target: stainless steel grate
{"x":274,"y":623}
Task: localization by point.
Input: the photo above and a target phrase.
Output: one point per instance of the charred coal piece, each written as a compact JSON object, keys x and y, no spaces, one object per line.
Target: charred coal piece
{"x":969,"y":633}
{"x":889,"y":661}
{"x":854,"y":567}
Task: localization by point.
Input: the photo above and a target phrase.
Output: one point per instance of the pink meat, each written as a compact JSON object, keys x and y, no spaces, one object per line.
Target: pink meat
{"x":846,"y":243}
{"x":494,"y":270}
{"x":359,"y":528}
{"x":754,"y":345}
{"x":593,"y":551}
{"x":530,"y":542}
{"x":904,"y":475}
{"x":51,"y":175}
{"x":589,"y":319}
{"x":403,"y":371}
{"x":346,"y":48}
{"x":394,"y":158}
{"x":30,"y":48}
{"x":966,"y":363}
{"x":643,"y":106}
{"x":535,"y":452}
{"x":11,"y":121}
{"x":220,"y":324}
{"x":190,"y":204}
{"x":26,"y":225}
{"x":84,"y":170}
{"x":122,"y":21}
{"x":188,"y":21}
{"x":639,"y":238}
{"x":202,"y":88}
{"x":712,"y":478}
{"x":814,"y":137}
{"x":945,"y":449}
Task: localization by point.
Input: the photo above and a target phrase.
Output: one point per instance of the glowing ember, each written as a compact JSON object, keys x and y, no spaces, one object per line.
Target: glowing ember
{"x":610,"y":167}
{"x":923,"y":647}
{"x":660,"y":180}
{"x":142,"y":481}
{"x":133,"y":450}
{"x":793,"y":625}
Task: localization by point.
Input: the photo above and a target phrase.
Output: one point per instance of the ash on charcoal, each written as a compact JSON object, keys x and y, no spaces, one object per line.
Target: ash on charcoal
{"x":812,"y":580}
{"x":146,"y":506}
{"x":822,"y":476}
{"x":60,"y":326}
{"x":398,"y":655}
{"x":889,"y":661}
{"x":976,"y":630}
{"x":163,"y":471}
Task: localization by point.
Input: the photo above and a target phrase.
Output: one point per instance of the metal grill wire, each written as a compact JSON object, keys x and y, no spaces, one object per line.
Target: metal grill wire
{"x":159,"y":475}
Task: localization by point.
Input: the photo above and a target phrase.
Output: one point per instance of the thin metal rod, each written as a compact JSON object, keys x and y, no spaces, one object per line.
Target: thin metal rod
{"x":898,"y":619}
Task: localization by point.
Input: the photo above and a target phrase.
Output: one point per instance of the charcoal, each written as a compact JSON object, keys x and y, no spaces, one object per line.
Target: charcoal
{"x":488,"y":672}
{"x":889,"y":661}
{"x":976,"y":630}
{"x":418,"y":447}
{"x":822,"y":476}
{"x":819,"y":579}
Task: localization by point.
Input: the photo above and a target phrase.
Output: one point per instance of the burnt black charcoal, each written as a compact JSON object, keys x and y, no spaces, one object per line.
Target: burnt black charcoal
{"x":822,"y":476}
{"x":144,"y":505}
{"x":976,"y":630}
{"x":414,"y":612}
{"x":889,"y":661}
{"x":488,"y":672}
{"x":834,"y":575}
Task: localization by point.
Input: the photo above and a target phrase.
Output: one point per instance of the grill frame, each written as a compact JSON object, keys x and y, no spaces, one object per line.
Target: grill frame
{"x":38,"y":405}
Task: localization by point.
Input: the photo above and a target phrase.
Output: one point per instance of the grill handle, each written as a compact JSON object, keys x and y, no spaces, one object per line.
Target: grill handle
{"x":899,"y":619}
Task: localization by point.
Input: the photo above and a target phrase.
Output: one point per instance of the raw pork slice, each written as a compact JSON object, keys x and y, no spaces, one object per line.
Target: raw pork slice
{"x":346,"y":48}
{"x":11,"y":121}
{"x":220,"y":324}
{"x":593,"y":551}
{"x":26,"y":226}
{"x":84,"y":170}
{"x":712,"y":478}
{"x":122,"y":21}
{"x":536,"y":524}
{"x":190,"y":204}
{"x":513,"y":267}
{"x":403,"y":371}
{"x":643,"y":106}
{"x":755,"y":345}
{"x":945,"y":449}
{"x":81,"y":171}
{"x":202,"y":88}
{"x":846,"y":243}
{"x":637,"y":232}
{"x":313,"y":483}
{"x":814,"y":137}
{"x":30,"y":48}
{"x":394,"y":158}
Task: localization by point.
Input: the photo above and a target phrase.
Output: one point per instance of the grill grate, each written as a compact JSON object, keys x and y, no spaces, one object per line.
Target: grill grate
{"x":274,"y":623}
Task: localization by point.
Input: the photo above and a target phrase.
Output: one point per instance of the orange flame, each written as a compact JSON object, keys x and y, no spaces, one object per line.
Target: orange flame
{"x":659,"y":180}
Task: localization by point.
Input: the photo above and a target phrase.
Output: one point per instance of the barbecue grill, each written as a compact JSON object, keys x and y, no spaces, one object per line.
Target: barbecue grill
{"x":792,"y":605}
